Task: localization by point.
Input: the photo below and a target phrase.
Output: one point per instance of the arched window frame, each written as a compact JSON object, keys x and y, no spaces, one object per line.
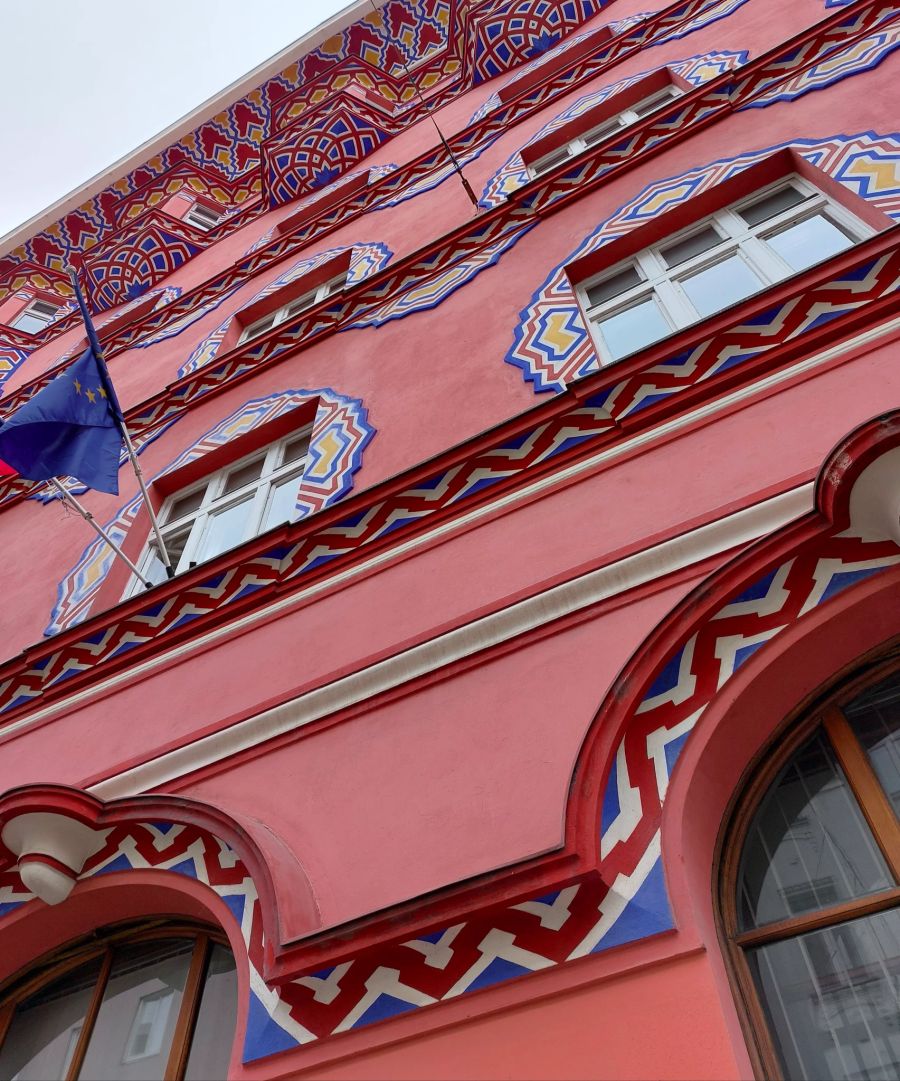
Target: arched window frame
{"x":102,"y":943}
{"x":825,"y":711}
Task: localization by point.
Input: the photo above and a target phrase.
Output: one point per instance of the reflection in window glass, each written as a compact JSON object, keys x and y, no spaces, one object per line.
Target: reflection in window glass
{"x":44,"y":1031}
{"x":875,"y":718}
{"x":133,"y":1032}
{"x":718,"y":286}
{"x":214,"y":1031}
{"x":633,"y":328}
{"x":225,"y":529}
{"x":832,"y":1000}
{"x":808,"y":242}
{"x":809,"y":846}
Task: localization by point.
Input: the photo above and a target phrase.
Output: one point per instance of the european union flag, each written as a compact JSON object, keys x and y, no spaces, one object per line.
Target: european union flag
{"x":70,"y":428}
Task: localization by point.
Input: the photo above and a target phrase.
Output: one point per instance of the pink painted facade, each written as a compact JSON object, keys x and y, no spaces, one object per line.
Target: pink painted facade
{"x":421,"y":740}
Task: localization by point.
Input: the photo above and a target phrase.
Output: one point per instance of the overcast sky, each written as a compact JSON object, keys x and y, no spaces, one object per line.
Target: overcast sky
{"x":83,"y":82}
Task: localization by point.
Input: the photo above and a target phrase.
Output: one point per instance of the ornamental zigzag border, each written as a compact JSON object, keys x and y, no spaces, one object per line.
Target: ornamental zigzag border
{"x":871,"y":279}
{"x":627,"y":902}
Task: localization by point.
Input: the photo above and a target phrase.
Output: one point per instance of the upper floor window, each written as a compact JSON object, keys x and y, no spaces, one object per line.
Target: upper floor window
{"x":231,"y":506}
{"x":602,"y":131}
{"x":714,"y":264}
{"x":295,"y":307}
{"x":126,"y":1005}
{"x":203,"y":217}
{"x":811,"y":898}
{"x":37,"y":315}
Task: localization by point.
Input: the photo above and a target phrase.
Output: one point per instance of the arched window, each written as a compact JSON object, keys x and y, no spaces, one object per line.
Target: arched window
{"x":133,"y":1004}
{"x":810,"y":897}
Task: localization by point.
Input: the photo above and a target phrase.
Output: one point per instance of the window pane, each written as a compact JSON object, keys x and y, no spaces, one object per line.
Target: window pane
{"x":31,"y":322}
{"x":216,"y":1019}
{"x":721,"y":285}
{"x":686,"y":249}
{"x":296,"y":449}
{"x":259,"y":327}
{"x":186,"y":504}
{"x":299,"y":305}
{"x":770,"y":205}
{"x":224,"y":529}
{"x":244,"y":474}
{"x":832,"y":1000}
{"x":131,"y":1038}
{"x":651,"y":104}
{"x":551,"y":160}
{"x":602,"y":132}
{"x":614,"y":286}
{"x":809,"y":845}
{"x":282,"y":501}
{"x":45,"y":1028}
{"x":808,"y":242}
{"x":632,"y":329}
{"x":155,"y":570}
{"x":875,"y":718}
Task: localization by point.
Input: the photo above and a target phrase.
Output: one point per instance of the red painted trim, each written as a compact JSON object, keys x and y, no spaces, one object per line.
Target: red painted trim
{"x":49,"y":861}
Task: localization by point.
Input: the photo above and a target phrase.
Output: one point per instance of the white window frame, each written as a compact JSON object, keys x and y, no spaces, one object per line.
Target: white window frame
{"x":663,"y":283}
{"x":604,"y":130}
{"x":294,"y":307}
{"x":196,"y":522}
{"x":46,"y":316}
{"x":202,"y":217}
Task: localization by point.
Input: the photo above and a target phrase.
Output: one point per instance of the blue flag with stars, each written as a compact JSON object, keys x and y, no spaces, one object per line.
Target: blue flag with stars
{"x":70,"y":428}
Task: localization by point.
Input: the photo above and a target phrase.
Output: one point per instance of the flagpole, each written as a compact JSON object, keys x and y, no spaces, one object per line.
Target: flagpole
{"x":92,"y":522}
{"x":94,"y":342}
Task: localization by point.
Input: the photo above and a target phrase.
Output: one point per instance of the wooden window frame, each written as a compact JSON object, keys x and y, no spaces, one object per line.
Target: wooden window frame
{"x":826,"y":714}
{"x":103,"y":944}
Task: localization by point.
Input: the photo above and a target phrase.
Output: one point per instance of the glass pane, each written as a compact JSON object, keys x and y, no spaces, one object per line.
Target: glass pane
{"x":875,"y":718}
{"x":651,"y":104}
{"x":259,"y":327}
{"x":186,"y":504}
{"x":809,"y":846}
{"x":809,"y":241}
{"x":632,"y":329}
{"x":614,"y":286}
{"x":296,"y":449}
{"x":679,"y":253}
{"x":224,"y":529}
{"x":770,"y":205}
{"x":45,"y":1028}
{"x":603,"y":131}
{"x":551,"y":160}
{"x":133,"y":1033}
{"x":299,"y":305}
{"x":216,"y":1019}
{"x":282,"y":501}
{"x":155,"y":570}
{"x":831,"y":997}
{"x":30,"y":322}
{"x":721,"y":285}
{"x":244,"y":474}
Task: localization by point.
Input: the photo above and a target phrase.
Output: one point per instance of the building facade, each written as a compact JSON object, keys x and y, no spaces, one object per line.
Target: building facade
{"x":514,"y":382}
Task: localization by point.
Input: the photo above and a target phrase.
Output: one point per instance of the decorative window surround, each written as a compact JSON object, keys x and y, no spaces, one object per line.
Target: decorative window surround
{"x":739,"y":250}
{"x":552,"y":344}
{"x":340,"y":433}
{"x":231,"y":505}
{"x":597,"y":133}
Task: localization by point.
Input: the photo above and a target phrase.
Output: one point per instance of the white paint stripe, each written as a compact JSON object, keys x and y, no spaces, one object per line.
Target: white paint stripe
{"x":606,"y":582}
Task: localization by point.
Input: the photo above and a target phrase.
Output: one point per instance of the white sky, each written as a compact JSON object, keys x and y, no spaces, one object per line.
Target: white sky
{"x":84,"y":82}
